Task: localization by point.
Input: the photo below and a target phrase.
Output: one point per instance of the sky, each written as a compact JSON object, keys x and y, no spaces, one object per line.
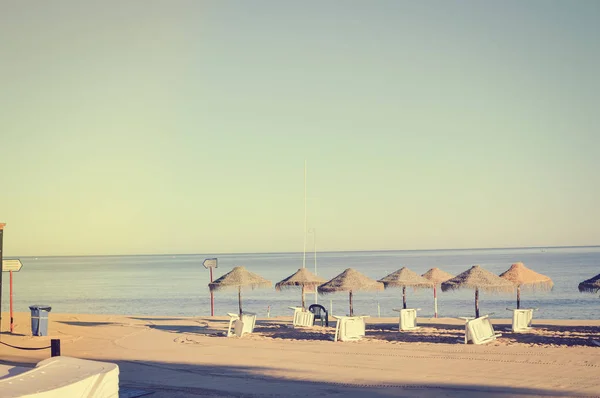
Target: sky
{"x":164,"y":127}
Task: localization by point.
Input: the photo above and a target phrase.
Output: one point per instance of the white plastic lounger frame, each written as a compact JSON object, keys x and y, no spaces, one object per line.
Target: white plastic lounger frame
{"x":408,"y":319}
{"x":60,"y":377}
{"x":302,"y":317}
{"x":349,"y":328}
{"x":241,"y":326}
{"x":480,"y":331}
{"x":521,"y":320}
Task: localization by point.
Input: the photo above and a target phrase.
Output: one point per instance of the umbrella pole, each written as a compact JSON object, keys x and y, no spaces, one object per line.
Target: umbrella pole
{"x":518,"y":296}
{"x":404,"y":297}
{"x":303,"y":305}
{"x":476,"y":303}
{"x":240,"y":299}
{"x":435,"y":302}
{"x":351,"y":310}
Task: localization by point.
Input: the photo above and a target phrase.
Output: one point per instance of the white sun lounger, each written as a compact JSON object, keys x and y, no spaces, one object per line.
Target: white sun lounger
{"x":59,"y":377}
{"x":241,"y":326}
{"x":408,"y":319}
{"x":522,"y":318}
{"x":480,"y":331}
{"x":349,"y":328}
{"x":302,"y":317}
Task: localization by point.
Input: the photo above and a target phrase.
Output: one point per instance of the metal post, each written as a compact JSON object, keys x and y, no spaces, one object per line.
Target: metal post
{"x":315,"y":241}
{"x":304,"y":252}
{"x":12,"y":324}
{"x":240,"y":299}
{"x":435,"y":301}
{"x":476,"y":303}
{"x":55,"y":347}
{"x":212,"y":296}
{"x":351,"y":309}
{"x":1,"y":236}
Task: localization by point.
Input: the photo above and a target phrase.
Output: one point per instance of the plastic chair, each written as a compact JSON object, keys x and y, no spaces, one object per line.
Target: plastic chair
{"x":320,"y":314}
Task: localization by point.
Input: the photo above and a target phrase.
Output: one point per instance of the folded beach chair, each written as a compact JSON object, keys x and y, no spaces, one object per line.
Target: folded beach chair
{"x":408,"y":318}
{"x":302,"y":317}
{"x":480,"y":331}
{"x":242,"y":325}
{"x":349,"y":328}
{"x":522,"y":318}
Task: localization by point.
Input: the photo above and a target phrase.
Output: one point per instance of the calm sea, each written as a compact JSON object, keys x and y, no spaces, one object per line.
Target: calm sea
{"x":177,"y":285}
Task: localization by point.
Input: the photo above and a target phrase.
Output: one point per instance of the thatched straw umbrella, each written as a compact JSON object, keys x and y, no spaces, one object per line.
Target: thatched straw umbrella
{"x":436,"y":276}
{"x":239,"y":277}
{"x":591,"y":285}
{"x":304,"y":278}
{"x":478,"y":278}
{"x":349,"y":281}
{"x":521,"y":276}
{"x":403,"y":278}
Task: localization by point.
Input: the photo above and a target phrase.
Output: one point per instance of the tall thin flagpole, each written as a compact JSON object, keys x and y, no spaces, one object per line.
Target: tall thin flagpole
{"x":304,"y":253}
{"x":315,"y":237}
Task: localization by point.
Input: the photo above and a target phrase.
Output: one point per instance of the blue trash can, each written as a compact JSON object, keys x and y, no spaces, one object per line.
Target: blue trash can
{"x":39,"y":319}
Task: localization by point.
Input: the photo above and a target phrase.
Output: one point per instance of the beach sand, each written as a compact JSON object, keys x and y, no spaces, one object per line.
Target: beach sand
{"x":190,"y":357}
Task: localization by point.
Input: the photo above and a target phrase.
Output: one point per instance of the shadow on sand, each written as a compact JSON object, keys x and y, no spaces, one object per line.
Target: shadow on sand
{"x":157,"y":319}
{"x":454,"y":334}
{"x":184,"y":380}
{"x":79,"y":323}
{"x":427,"y":333}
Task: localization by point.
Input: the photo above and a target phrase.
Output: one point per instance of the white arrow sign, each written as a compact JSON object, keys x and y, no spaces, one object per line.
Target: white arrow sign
{"x":11,"y":265}
{"x":210,"y":263}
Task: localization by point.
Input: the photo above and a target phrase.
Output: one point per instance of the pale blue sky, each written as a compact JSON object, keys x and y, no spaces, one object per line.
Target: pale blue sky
{"x":183,"y":126}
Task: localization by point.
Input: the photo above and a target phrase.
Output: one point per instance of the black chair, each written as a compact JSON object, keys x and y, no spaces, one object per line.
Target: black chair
{"x":320,"y":313}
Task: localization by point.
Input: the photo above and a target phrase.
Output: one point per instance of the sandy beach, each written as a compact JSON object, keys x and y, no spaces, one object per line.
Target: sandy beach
{"x":189,"y":357}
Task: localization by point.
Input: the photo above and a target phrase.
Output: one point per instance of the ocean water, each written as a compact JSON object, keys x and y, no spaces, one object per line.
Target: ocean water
{"x":177,"y":285}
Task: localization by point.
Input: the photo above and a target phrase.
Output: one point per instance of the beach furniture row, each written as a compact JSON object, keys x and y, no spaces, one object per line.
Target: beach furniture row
{"x":351,"y":328}
{"x":477,"y":329}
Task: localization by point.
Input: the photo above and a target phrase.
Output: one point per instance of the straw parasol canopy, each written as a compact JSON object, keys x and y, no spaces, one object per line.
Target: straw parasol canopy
{"x":436,"y":276}
{"x":304,"y":278}
{"x":478,"y":278}
{"x":403,"y":278}
{"x":521,"y":276}
{"x":239,"y":277}
{"x":349,"y":281}
{"x":591,"y":285}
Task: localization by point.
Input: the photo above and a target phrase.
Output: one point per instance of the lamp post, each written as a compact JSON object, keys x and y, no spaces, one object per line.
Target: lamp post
{"x":314,"y":232}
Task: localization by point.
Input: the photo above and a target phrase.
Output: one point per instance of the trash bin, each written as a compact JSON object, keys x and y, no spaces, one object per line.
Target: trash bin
{"x":39,"y":319}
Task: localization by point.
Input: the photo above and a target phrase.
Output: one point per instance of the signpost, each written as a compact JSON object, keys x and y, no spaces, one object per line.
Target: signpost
{"x":211,"y":263}
{"x":10,"y":266}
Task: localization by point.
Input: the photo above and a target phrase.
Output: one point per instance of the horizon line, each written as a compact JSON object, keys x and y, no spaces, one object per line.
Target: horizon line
{"x":298,"y":252}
